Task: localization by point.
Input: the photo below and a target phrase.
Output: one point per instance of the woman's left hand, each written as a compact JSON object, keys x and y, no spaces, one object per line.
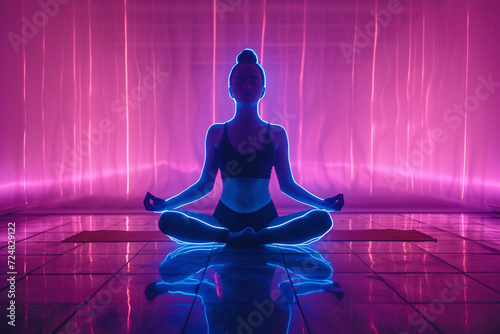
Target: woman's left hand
{"x":157,"y":204}
{"x":335,"y":203}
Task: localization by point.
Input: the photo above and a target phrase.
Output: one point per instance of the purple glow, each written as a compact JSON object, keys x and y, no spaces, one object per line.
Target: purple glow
{"x":111,"y":99}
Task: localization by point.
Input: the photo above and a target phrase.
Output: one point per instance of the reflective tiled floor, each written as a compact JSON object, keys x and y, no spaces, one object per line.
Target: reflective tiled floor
{"x":452,"y":286}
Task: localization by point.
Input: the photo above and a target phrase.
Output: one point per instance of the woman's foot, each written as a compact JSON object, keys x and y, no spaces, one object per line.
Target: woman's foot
{"x":245,"y":237}
{"x":150,"y":291}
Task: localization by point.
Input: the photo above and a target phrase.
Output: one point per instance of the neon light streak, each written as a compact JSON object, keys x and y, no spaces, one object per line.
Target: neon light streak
{"x":301,"y":96}
{"x":155,"y":116}
{"x":129,"y":306}
{"x":41,"y":103}
{"x":139,"y":84}
{"x":431,"y":79}
{"x":398,"y":100}
{"x":422,"y":71}
{"x":408,"y":93}
{"x":74,"y":94}
{"x":285,"y":84}
{"x":80,"y":98}
{"x":25,"y":118}
{"x":90,"y":99}
{"x":214,"y":43}
{"x":422,"y":75}
{"x":464,"y":166}
{"x":126,"y":96}
{"x":263,"y":33}
{"x":372,"y":127}
{"x":351,"y":120}
{"x":61,"y":193}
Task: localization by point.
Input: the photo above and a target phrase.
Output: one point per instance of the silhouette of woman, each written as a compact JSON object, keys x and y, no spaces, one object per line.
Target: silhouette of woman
{"x":245,"y":149}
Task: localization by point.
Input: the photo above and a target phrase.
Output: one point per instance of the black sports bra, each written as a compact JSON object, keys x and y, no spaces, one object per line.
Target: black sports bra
{"x":247,"y":160}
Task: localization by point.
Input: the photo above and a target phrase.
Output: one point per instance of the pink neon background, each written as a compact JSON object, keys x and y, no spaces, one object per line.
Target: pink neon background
{"x":351,"y":120}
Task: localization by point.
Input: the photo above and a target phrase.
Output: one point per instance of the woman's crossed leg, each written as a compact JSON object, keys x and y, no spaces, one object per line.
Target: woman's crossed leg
{"x":303,"y":227}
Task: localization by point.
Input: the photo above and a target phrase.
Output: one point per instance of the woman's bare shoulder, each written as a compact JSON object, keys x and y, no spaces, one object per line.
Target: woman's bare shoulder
{"x":276,"y":128}
{"x":278,"y":135}
{"x":215,"y":132}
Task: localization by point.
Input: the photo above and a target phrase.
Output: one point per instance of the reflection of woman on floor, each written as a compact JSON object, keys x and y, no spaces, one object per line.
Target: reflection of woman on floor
{"x":242,"y":293}
{"x":245,"y":149}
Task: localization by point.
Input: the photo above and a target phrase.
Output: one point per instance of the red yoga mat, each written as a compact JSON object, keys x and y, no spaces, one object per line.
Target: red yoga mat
{"x":334,"y":235}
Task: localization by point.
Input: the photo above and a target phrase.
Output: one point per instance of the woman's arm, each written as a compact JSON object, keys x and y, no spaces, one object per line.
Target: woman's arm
{"x":285,"y":178}
{"x":199,"y":189}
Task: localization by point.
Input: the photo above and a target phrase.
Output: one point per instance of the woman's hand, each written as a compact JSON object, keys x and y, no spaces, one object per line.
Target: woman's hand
{"x":335,"y":203}
{"x":153,"y":203}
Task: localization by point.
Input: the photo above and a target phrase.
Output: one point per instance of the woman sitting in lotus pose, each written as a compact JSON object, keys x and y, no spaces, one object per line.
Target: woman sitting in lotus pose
{"x":245,"y":149}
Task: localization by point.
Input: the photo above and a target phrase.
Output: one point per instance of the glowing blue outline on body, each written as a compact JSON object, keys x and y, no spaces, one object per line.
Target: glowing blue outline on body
{"x":305,"y":243}
{"x":192,"y":282}
{"x":201,"y":221}
{"x":203,"y":177}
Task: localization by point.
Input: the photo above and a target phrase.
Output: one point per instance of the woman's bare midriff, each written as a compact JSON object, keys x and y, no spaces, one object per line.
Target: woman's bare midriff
{"x":245,"y":194}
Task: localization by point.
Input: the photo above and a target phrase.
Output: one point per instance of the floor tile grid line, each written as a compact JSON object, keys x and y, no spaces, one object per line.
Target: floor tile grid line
{"x":422,"y":222}
{"x":197,"y":291}
{"x":8,"y":217}
{"x":39,"y":233}
{"x":491,"y":214}
{"x":440,"y":229}
{"x":365,"y":218}
{"x":95,"y":293}
{"x":118,"y":222}
{"x":40,"y":218}
{"x":475,"y":279}
{"x":294,"y":292}
{"x":462,"y":272}
{"x":52,"y":228}
{"x":390,"y":287}
{"x":56,"y":256}
{"x":402,"y":215}
{"x":490,"y":249}
{"x":26,"y":274}
{"x":469,"y":220}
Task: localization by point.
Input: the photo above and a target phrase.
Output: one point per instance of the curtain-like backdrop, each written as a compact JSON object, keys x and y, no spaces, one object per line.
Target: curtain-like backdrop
{"x":395,"y":103}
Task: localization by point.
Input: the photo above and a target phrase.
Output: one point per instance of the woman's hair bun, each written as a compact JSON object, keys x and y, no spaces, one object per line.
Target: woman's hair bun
{"x":247,"y":56}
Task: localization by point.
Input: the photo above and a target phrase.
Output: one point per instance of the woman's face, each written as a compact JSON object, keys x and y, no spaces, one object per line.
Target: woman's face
{"x":246,"y":84}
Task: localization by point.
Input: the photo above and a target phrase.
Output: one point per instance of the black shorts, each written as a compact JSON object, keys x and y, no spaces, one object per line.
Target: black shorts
{"x":236,"y":221}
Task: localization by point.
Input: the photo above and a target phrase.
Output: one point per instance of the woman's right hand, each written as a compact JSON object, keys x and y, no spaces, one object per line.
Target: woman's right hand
{"x":153,"y":203}
{"x":335,"y":203}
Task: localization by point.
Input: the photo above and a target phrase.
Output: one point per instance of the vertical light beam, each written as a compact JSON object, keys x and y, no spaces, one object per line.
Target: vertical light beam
{"x":263,"y":33}
{"x":25,"y":118}
{"x":372,"y":128}
{"x":261,"y":59}
{"x":90,"y":100}
{"x":41,"y":105}
{"x":126,"y":96}
{"x":351,"y":121}
{"x":213,"y":57}
{"x":155,"y":141}
{"x":74,"y":95}
{"x":301,"y":95}
{"x":464,"y":165}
